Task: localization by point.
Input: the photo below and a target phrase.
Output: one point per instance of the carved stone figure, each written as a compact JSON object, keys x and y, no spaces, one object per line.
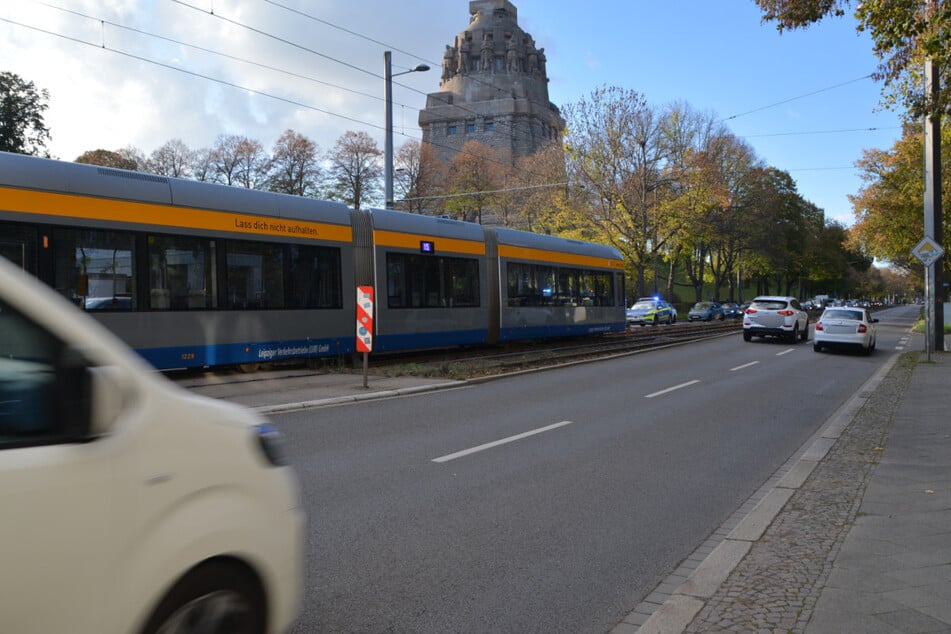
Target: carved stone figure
{"x":532,"y":66}
{"x":465,"y":50}
{"x":511,"y":57}
{"x":487,"y":52}
{"x":449,"y":63}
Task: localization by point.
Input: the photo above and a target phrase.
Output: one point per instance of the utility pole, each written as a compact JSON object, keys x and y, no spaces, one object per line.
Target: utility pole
{"x":934,"y":226}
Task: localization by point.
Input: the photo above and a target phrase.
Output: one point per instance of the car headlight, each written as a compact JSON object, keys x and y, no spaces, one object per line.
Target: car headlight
{"x":272,"y":444}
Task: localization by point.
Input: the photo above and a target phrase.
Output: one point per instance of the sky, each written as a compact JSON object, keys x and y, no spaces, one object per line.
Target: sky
{"x":143,"y":72}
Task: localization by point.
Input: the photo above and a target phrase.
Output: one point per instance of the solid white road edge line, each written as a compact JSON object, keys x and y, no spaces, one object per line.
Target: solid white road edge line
{"x":671,"y":389}
{"x":496,"y":443}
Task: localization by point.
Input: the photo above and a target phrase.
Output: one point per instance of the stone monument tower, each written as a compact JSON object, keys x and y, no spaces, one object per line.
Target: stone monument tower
{"x":494,"y":89}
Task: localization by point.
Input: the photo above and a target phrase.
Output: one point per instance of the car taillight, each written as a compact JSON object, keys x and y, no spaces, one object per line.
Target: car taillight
{"x":750,"y":311}
{"x":863,"y":328}
{"x":785,"y":312}
{"x":818,"y":325}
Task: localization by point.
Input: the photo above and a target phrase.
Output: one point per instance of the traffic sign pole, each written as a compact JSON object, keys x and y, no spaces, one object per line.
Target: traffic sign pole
{"x":365,"y":326}
{"x":929,"y":252}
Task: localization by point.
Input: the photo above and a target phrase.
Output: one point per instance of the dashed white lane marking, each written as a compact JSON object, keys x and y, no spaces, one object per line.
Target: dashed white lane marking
{"x":671,"y":389}
{"x":745,"y":365}
{"x":779,"y":354}
{"x":496,"y":443}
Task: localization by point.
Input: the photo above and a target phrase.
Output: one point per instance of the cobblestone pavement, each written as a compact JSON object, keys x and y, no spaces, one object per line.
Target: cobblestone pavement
{"x":775,"y":587}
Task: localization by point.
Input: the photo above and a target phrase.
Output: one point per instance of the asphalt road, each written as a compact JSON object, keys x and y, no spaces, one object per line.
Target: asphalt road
{"x":554,"y":501}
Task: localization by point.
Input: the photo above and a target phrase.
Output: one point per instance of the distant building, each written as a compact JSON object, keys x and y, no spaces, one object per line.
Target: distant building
{"x":494,"y":89}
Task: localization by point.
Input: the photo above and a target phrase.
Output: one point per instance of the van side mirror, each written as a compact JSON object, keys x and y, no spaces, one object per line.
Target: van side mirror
{"x":107,"y":387}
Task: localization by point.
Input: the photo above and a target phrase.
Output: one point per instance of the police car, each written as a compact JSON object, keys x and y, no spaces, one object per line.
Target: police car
{"x":651,"y":310}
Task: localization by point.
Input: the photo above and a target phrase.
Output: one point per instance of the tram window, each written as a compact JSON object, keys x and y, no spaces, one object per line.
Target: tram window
{"x":315,"y":278}
{"x":598,"y":288}
{"x":181,"y":273}
{"x":95,"y":268}
{"x":255,"y":275}
{"x":418,"y":281}
{"x":548,"y":285}
{"x":18,"y":244}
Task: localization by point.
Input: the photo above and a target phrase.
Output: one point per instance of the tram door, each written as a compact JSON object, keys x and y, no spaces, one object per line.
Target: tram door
{"x":17,"y":244}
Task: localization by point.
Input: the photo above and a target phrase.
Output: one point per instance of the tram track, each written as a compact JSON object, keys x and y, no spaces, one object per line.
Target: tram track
{"x":467,"y":363}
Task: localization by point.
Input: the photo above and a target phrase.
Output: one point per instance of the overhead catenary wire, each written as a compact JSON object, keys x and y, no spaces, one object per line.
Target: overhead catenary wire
{"x":336,"y":60}
{"x":103,"y":46}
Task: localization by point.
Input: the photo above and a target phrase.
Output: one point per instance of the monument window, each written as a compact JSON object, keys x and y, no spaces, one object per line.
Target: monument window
{"x":470,"y":128}
{"x":451,"y":130}
{"x":489,"y":126}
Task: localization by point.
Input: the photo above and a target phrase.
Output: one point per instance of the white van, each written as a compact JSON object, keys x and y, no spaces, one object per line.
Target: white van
{"x":128,"y":505}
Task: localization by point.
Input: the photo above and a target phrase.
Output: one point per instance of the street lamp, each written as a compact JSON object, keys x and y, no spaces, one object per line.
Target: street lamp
{"x":388,"y":143}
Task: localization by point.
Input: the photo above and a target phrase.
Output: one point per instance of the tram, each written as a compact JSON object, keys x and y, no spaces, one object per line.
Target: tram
{"x":195,"y":274}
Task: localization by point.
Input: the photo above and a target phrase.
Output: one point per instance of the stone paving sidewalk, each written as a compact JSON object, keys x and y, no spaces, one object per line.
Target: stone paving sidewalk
{"x":775,"y":588}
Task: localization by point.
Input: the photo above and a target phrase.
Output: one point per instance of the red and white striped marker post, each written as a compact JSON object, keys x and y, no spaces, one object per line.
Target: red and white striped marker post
{"x":365,"y":325}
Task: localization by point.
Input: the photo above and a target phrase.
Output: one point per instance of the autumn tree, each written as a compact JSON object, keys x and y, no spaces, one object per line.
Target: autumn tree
{"x":295,"y":165}
{"x":356,"y":169}
{"x":106,"y":158}
{"x":474,"y":176}
{"x":173,"y":158}
{"x":224,"y":160}
{"x":204,"y":165}
{"x":616,"y":151}
{"x":22,"y":106}
{"x":887,"y":208}
{"x":543,"y":198}
{"x":253,"y":164}
{"x":420,"y":177}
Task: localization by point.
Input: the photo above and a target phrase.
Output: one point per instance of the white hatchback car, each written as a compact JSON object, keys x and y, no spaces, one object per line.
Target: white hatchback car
{"x":846,"y":327}
{"x":129,"y":505}
{"x":776,"y":316}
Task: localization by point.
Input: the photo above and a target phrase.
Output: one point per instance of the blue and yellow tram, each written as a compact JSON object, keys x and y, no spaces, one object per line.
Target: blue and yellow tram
{"x":194,"y":274}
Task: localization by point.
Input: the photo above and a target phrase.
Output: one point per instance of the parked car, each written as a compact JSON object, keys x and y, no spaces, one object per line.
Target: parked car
{"x":705,"y":311}
{"x":776,"y":316}
{"x":845,"y":328}
{"x":130,"y":505}
{"x":731,"y":310}
{"x":648,"y":310}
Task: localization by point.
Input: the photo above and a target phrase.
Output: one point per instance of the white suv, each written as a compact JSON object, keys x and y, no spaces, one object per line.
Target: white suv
{"x":776,"y":316}
{"x":129,"y":505}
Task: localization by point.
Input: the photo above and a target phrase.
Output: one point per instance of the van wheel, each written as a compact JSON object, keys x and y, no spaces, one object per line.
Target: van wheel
{"x":216,"y":597}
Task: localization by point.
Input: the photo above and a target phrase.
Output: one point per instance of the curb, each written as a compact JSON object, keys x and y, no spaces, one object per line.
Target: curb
{"x":671,"y":613}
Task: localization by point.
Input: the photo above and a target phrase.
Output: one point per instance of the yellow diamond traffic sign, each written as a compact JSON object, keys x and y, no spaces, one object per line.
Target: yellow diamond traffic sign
{"x":927,"y":251}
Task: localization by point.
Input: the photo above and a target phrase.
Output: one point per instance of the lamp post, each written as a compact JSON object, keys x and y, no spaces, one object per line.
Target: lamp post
{"x":388,"y":76}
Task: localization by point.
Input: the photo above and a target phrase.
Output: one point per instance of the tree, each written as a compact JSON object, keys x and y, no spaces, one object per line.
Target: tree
{"x":616,"y":151}
{"x":544,"y":200}
{"x":203,"y":165}
{"x":237,"y":160}
{"x":174,"y":159}
{"x":22,"y":129}
{"x":294,"y":165}
{"x":904,"y":32}
{"x":106,"y":158}
{"x":356,"y":169}
{"x":475,"y":172}
{"x":408,"y":176}
{"x":253,"y":164}
{"x":887,"y":208}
